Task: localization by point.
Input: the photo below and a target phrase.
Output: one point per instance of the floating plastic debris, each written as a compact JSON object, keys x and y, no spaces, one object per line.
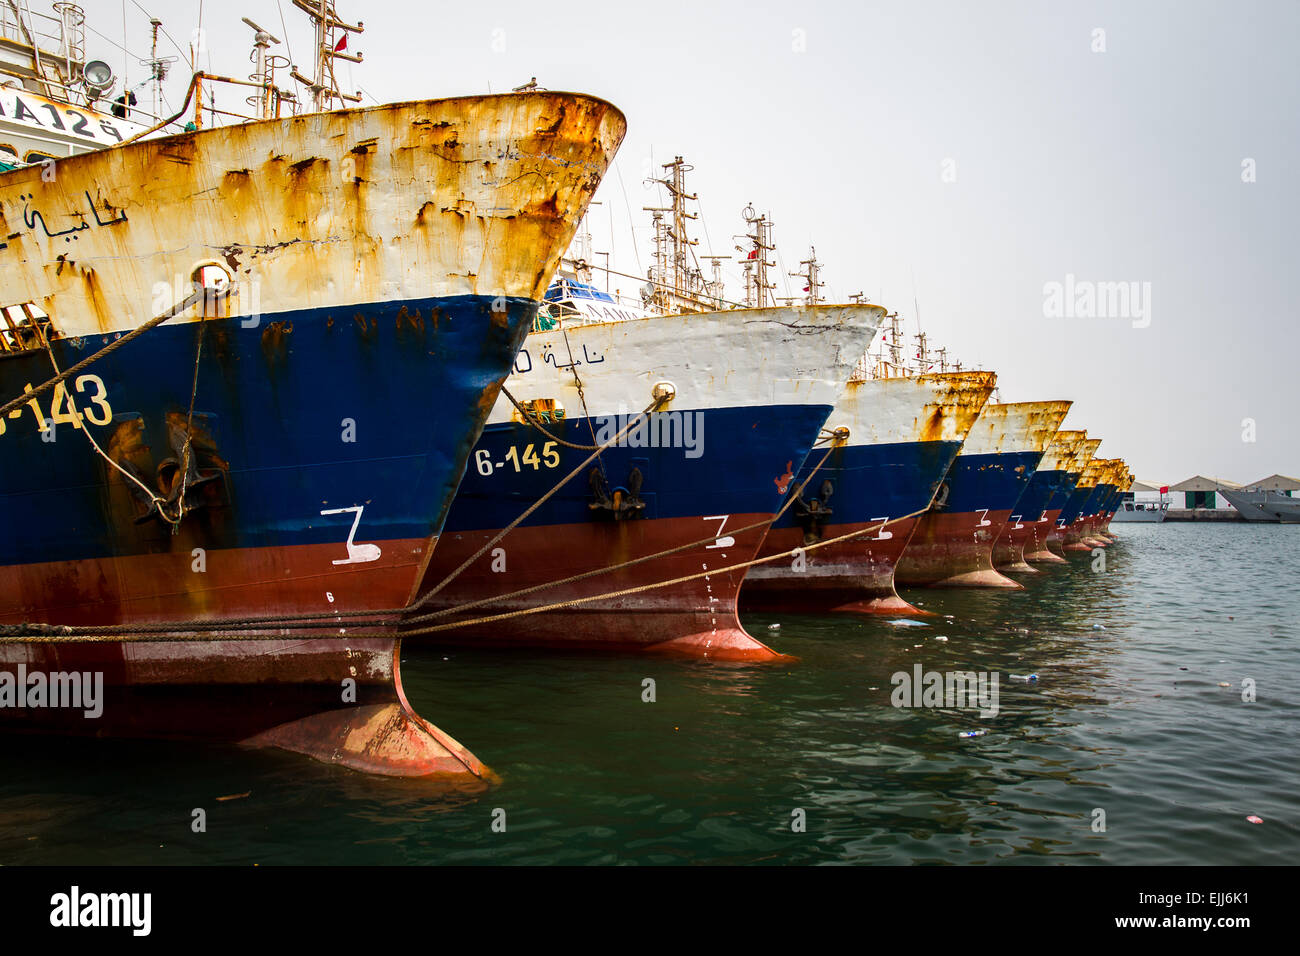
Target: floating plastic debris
{"x":1023,"y":677}
{"x":972,"y":733}
{"x":940,"y":637}
{"x":1254,"y":819}
{"x":774,"y":627}
{"x":906,"y":622}
{"x":1224,"y":683}
{"x":1099,"y":627}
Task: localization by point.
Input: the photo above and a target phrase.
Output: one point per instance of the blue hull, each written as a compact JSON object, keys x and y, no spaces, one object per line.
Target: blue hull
{"x":1044,"y":487}
{"x":870,"y":482}
{"x":990,"y":483}
{"x":743,"y":460}
{"x":304,"y":413}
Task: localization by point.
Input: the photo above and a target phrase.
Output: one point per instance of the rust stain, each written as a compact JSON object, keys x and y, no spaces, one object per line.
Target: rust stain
{"x":407,"y":319}
{"x":275,"y":339}
{"x":515,"y":171}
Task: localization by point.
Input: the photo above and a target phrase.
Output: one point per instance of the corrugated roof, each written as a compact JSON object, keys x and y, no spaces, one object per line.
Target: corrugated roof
{"x":1276,"y":483}
{"x":1201,"y":483}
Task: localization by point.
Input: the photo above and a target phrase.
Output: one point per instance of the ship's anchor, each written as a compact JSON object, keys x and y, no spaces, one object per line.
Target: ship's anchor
{"x":813,"y":515}
{"x":621,"y":503}
{"x":171,"y":484}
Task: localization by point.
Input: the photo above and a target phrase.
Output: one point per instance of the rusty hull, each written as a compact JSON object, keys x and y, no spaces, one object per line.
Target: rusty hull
{"x":404,"y":201}
{"x":334,"y":219}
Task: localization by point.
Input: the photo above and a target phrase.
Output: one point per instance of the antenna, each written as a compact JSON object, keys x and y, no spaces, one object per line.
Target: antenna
{"x":264,"y":74}
{"x":158,"y":67}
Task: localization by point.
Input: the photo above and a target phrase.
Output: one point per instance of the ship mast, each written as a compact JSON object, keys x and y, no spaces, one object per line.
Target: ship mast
{"x":714,"y":289}
{"x":811,"y":276}
{"x":756,"y":264}
{"x":324,"y":85}
{"x":677,"y":286}
{"x":158,"y":67}
{"x":922,"y":352}
{"x":896,"y":341}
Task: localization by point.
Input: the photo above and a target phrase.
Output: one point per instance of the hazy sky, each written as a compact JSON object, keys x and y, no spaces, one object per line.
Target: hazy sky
{"x":956,"y":155}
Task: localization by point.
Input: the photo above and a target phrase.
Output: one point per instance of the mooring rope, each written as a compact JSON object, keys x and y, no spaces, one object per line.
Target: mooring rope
{"x":428,"y":595}
{"x":574,"y":602}
{"x":210,"y":631}
{"x":528,"y":419}
{"x":384,"y":617}
{"x":73,"y":635}
{"x":609,"y":569}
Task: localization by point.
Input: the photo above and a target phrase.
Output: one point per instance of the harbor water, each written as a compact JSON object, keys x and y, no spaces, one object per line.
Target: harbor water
{"x":1128,"y":748}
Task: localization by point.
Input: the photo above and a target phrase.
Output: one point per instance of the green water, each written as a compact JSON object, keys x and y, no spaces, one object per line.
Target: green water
{"x":1130,"y":720}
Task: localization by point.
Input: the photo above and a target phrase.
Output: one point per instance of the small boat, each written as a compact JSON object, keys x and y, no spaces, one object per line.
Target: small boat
{"x":1131,"y":511}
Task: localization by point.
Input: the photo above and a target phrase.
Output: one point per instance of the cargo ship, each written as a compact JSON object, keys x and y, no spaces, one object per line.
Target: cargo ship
{"x":236,"y":478}
{"x":1080,"y":489}
{"x":645,"y":548}
{"x":953,"y":543}
{"x":1111,"y":487}
{"x":1066,"y":448}
{"x":1077,"y":531}
{"x":1028,"y":535}
{"x":685,"y":495}
{"x":903,"y":434}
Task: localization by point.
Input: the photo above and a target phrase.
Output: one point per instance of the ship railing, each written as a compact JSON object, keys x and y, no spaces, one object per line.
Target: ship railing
{"x":196,"y":87}
{"x":26,"y":327}
{"x":40,"y":26}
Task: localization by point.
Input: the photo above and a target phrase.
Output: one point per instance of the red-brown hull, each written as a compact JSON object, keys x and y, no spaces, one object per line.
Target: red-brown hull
{"x":694,"y":618}
{"x":1078,"y":537}
{"x":1039,"y":549}
{"x":337,"y":699}
{"x":854,"y":576}
{"x":954,"y":550}
{"x":233,"y":583}
{"x":1017,"y":542}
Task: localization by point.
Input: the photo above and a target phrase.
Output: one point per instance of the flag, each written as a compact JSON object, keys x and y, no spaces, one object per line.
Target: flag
{"x":1164,"y":489}
{"x":342,"y":44}
{"x":752,"y":255}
